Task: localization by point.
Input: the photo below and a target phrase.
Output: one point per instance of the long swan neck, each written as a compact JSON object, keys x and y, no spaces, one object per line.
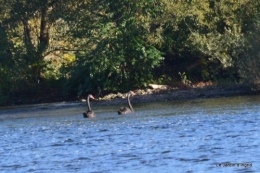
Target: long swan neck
{"x":89,"y":108}
{"x":129,"y":104}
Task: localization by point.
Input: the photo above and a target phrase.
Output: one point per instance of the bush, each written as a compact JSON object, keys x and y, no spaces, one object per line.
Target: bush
{"x":249,"y":57}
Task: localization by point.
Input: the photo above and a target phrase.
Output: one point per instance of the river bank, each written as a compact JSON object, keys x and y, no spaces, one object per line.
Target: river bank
{"x":156,"y":93}
{"x":172,"y":94}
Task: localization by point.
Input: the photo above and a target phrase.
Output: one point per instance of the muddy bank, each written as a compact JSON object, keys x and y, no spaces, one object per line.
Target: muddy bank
{"x":171,"y":94}
{"x":151,"y":94}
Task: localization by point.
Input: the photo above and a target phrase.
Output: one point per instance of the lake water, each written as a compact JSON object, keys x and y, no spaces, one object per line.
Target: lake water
{"x":205,"y":135}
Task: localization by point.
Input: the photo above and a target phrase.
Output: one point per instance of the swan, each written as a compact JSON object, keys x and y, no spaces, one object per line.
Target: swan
{"x":129,"y":109}
{"x":89,"y":113}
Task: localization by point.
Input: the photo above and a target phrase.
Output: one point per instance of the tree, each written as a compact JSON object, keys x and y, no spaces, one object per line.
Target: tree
{"x":220,"y":31}
{"x":27,"y":30}
{"x":117,"y":52}
{"x":249,"y":56}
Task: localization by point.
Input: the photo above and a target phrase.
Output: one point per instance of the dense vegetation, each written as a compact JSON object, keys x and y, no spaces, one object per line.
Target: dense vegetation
{"x":71,"y":47}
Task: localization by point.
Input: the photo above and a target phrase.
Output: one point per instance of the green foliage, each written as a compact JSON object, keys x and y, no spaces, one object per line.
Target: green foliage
{"x":8,"y":73}
{"x":249,"y":56}
{"x":218,"y":33}
{"x":117,"y":45}
{"x":183,"y":77}
{"x":120,"y":55}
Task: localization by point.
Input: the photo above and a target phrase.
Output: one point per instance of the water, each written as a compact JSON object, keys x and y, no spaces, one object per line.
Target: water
{"x":188,"y":136}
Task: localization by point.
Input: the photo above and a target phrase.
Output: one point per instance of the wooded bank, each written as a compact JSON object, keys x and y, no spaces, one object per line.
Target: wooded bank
{"x":66,"y":49}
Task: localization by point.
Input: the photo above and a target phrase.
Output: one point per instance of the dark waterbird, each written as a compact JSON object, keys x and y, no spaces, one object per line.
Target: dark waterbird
{"x":129,"y":109}
{"x":89,"y":113}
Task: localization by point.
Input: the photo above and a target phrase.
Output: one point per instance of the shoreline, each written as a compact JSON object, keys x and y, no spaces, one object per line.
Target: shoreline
{"x":162,"y":95}
{"x":151,"y":95}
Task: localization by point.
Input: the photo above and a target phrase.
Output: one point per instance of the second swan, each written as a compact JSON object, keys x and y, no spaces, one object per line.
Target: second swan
{"x":129,"y":109}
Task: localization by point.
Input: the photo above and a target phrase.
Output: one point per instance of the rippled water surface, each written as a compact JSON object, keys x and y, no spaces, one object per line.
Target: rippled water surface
{"x":189,"y":136}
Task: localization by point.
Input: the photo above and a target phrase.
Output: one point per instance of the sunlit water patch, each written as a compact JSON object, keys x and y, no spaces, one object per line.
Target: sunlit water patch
{"x":209,"y":135}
